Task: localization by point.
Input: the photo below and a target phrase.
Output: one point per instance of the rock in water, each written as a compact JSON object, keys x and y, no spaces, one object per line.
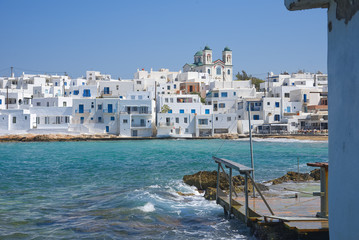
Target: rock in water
{"x":292,"y":176}
{"x":210,"y":193}
{"x":205,"y":179}
{"x":315,"y":174}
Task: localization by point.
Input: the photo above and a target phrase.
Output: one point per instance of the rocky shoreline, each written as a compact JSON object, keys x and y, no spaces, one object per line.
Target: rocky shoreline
{"x":206,"y":181}
{"x":107,"y":137}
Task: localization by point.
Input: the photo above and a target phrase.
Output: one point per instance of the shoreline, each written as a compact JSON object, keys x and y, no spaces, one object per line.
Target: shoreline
{"x":106,"y":137}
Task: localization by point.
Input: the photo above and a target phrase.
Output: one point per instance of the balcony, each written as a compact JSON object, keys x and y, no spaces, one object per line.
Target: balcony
{"x":106,"y":93}
{"x":167,"y":124}
{"x":83,"y":111}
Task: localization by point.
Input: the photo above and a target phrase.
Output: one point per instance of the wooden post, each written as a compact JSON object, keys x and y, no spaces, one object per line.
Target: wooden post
{"x":218,"y":181}
{"x":246,"y":195}
{"x":324,"y":191}
{"x":230,"y":193}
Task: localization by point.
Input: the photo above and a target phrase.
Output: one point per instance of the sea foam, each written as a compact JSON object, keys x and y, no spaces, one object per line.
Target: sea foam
{"x":149,"y":207}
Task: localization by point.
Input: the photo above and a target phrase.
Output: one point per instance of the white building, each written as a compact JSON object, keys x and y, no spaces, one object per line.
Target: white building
{"x":221,"y":70}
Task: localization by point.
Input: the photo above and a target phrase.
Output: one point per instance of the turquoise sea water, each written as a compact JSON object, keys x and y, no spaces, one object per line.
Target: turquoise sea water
{"x":128,"y":189}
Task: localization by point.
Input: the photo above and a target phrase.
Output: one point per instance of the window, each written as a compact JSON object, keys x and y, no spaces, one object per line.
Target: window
{"x":109,"y":108}
{"x":209,"y":71}
{"x":255,"y":117}
{"x":206,"y":111}
{"x":82,"y":119}
{"x":166,"y":100}
{"x":64,"y":104}
{"x":170,"y":111}
{"x":177,"y":120}
{"x":218,"y":70}
{"x":286,"y":95}
{"x":117,"y":87}
{"x":185,"y":120}
{"x":216,"y":118}
{"x":25,"y":117}
{"x":81,"y":108}
{"x":125,"y":121}
{"x":229,"y":72}
{"x":67,"y":119}
{"x":87,"y":93}
{"x":99,"y":119}
{"x":229,"y":119}
{"x":174,"y":86}
{"x":171,"y":100}
{"x":83,"y":83}
{"x":138,"y":82}
{"x":47,"y":120}
{"x":168,"y":87}
{"x":38,"y":104}
{"x":140,"y":97}
{"x":76,"y":92}
{"x":99,"y":107}
{"x":193,"y":110}
{"x":224,"y":94}
{"x":276,"y":104}
{"x":58,"y":120}
{"x":37,"y":120}
{"x":215,"y":94}
{"x":92,"y":105}
{"x":106,"y":90}
{"x":181,"y":111}
{"x":234,"y":93}
{"x":48,"y":104}
{"x":203,"y":121}
{"x":112,"y":118}
{"x":276,"y":117}
{"x":133,"y":97}
{"x":222,"y":105}
{"x":268,"y":103}
{"x":0,"y":101}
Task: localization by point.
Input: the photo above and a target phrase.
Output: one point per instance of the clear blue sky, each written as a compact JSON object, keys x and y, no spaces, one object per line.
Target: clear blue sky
{"x":117,"y":37}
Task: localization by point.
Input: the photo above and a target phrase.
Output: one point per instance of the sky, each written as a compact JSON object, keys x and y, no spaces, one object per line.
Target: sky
{"x":118,"y":37}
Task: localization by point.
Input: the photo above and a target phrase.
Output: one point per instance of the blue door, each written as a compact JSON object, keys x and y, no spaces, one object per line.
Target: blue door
{"x":81,"y":108}
{"x":107,"y":129}
{"x":288,"y":109}
{"x":109,"y":108}
{"x":305,"y":97}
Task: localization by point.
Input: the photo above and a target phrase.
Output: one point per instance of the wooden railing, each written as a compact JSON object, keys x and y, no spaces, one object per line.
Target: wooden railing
{"x":243,"y":170}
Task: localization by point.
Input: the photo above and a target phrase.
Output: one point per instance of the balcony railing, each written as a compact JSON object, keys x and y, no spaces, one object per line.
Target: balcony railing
{"x":106,"y":92}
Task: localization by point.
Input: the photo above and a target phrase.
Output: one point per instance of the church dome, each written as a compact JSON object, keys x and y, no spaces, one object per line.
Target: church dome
{"x":199,"y":53}
{"x":207,"y":48}
{"x":227,"y":49}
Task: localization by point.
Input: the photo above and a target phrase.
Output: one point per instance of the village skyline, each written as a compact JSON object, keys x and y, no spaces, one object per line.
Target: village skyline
{"x":119,"y":37}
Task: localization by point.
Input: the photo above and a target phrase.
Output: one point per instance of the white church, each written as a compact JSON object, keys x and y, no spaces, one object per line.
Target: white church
{"x":221,"y":70}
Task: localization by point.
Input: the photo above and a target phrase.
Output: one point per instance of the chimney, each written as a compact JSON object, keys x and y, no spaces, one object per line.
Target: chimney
{"x":12,"y":72}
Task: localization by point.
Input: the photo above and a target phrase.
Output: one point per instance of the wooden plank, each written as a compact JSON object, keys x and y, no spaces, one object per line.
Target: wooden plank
{"x":305,"y":227}
{"x":318,"y":164}
{"x":288,"y":219}
{"x":228,"y":163}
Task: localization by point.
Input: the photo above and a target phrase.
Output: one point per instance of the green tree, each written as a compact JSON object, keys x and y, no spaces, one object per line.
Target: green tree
{"x":244,"y":76}
{"x":165,"y":108}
